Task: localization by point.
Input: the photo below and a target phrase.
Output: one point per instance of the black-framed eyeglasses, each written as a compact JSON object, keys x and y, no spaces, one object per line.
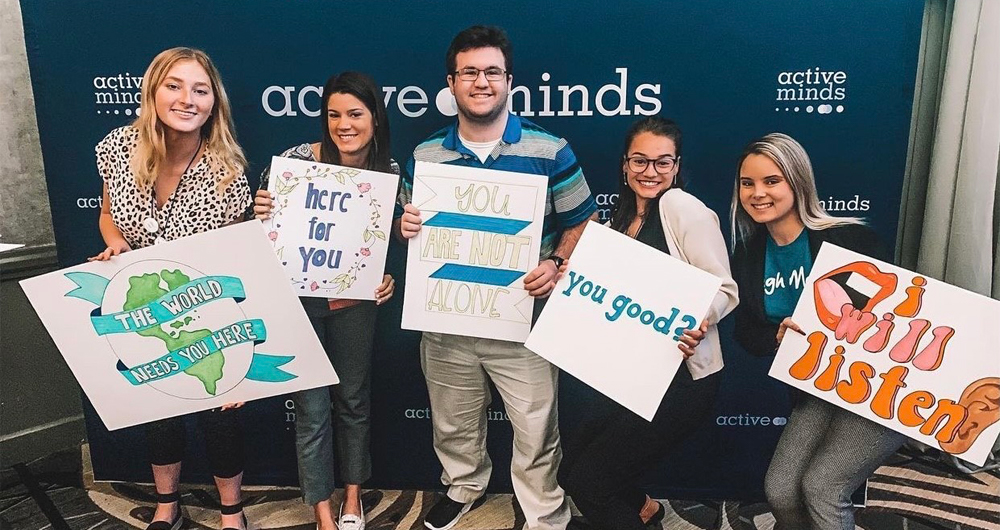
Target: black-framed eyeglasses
{"x":493,"y":73}
{"x":662,"y":165}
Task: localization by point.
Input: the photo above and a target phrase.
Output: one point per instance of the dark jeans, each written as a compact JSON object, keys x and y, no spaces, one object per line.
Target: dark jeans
{"x":223,"y":441}
{"x":607,"y":455}
{"x":347,"y":336}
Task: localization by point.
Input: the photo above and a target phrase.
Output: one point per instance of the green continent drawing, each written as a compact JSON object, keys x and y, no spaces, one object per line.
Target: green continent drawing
{"x":145,"y":288}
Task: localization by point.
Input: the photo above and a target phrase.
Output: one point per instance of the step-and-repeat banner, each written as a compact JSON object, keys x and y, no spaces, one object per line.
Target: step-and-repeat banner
{"x":836,"y":75}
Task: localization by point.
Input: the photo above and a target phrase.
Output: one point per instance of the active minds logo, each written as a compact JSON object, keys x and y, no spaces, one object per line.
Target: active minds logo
{"x":749,"y":420}
{"x":619,"y":96}
{"x":811,"y":91}
{"x":118,"y":94}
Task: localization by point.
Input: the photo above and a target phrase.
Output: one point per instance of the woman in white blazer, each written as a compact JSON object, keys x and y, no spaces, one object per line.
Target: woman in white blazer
{"x":606,"y":456}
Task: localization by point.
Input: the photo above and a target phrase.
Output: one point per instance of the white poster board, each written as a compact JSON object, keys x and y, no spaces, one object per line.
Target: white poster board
{"x":330,"y":226}
{"x":614,"y":319}
{"x":906,"y":351}
{"x":4,"y":247}
{"x":481,"y":234}
{"x":180,"y":327}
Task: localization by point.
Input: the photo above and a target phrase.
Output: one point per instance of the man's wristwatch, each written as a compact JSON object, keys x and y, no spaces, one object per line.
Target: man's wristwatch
{"x":557,"y":260}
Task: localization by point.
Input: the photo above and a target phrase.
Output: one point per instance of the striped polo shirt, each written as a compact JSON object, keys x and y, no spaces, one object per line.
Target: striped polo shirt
{"x":524,"y":148}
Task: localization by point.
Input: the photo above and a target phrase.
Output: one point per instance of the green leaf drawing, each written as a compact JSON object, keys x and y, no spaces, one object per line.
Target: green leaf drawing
{"x":368,"y":235}
{"x":379,"y":234}
{"x":344,"y":174}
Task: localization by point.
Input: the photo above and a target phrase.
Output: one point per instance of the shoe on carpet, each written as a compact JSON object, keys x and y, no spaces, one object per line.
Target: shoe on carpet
{"x":178,"y":522}
{"x":351,"y":521}
{"x":445,"y":513}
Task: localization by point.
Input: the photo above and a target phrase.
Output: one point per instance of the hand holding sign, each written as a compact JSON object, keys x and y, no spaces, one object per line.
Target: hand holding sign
{"x":542,"y":279}
{"x":409,"y":224}
{"x":692,"y":338}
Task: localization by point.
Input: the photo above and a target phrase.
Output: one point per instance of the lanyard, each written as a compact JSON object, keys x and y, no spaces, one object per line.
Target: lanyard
{"x":150,"y":223}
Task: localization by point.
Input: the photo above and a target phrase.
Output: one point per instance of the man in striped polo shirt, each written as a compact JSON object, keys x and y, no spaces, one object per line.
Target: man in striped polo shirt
{"x":456,"y":368}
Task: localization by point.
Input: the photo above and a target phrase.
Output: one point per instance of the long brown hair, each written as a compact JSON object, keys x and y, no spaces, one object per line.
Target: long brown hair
{"x":364,"y":88}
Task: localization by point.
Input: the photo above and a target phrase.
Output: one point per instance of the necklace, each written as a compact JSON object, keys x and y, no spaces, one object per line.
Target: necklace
{"x":150,"y":223}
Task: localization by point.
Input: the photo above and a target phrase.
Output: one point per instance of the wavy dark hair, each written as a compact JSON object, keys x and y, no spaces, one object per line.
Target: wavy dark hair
{"x":364,"y":88}
{"x":626,"y":209}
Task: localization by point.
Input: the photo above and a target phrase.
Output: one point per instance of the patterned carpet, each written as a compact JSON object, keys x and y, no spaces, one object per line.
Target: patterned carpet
{"x":49,"y":494}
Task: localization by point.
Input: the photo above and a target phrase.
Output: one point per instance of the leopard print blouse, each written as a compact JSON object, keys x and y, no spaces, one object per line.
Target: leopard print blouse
{"x":196,"y":206}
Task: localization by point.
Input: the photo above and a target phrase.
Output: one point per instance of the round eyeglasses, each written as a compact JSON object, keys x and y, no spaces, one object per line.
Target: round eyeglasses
{"x":662,"y":165}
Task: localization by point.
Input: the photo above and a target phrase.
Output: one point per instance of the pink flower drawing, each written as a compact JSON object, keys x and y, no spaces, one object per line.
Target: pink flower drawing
{"x":286,"y":175}
{"x":313,"y":286}
{"x":272,"y":235}
{"x":364,"y":187}
{"x":365,"y":251}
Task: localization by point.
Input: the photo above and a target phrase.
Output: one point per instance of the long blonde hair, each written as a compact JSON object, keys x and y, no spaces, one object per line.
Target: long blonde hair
{"x":221,"y":149}
{"x":792,"y":160}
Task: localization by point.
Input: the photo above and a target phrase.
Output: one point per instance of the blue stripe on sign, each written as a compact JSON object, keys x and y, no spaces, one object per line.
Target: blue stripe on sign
{"x":465,"y":273}
{"x":474,"y":222}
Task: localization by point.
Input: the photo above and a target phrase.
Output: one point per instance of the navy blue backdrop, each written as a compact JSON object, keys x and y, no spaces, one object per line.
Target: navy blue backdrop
{"x":836,"y":75}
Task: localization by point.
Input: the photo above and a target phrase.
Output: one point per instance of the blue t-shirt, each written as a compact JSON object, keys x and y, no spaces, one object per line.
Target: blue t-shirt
{"x":785,"y":271}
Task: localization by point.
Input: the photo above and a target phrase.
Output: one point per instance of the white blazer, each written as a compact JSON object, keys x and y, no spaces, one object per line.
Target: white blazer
{"x":693,"y":236}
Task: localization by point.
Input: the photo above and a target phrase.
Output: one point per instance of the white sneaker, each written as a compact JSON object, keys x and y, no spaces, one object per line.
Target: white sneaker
{"x":351,"y":521}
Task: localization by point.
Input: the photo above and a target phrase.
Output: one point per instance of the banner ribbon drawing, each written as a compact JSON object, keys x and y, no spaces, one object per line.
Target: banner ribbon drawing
{"x":476,"y":222}
{"x":193,"y":294}
{"x":177,"y":302}
{"x":262,"y":367}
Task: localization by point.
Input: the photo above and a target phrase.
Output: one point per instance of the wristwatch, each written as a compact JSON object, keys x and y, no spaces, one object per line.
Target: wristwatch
{"x":557,"y":260}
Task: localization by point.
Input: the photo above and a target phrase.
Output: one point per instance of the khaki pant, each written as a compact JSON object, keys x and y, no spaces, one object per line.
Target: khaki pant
{"x":456,"y":369}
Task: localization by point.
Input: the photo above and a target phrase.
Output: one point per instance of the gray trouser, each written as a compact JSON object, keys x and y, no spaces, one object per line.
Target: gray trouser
{"x":824,"y":454}
{"x":457,"y":370}
{"x":346,"y":335}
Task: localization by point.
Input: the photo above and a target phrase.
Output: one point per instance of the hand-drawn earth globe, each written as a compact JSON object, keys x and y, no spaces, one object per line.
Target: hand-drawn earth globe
{"x":140,"y":283}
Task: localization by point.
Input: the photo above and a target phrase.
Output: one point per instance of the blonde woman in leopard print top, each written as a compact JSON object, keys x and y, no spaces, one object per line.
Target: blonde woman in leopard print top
{"x":177,"y":171}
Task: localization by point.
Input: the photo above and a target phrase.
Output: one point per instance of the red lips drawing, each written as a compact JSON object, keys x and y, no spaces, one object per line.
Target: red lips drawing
{"x":833,"y":291}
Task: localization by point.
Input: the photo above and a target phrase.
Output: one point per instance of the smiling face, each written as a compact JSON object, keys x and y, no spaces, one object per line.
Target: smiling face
{"x":351,"y":125}
{"x":184,"y":99}
{"x":480,"y":101}
{"x":764,"y":191}
{"x":648,"y":184}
